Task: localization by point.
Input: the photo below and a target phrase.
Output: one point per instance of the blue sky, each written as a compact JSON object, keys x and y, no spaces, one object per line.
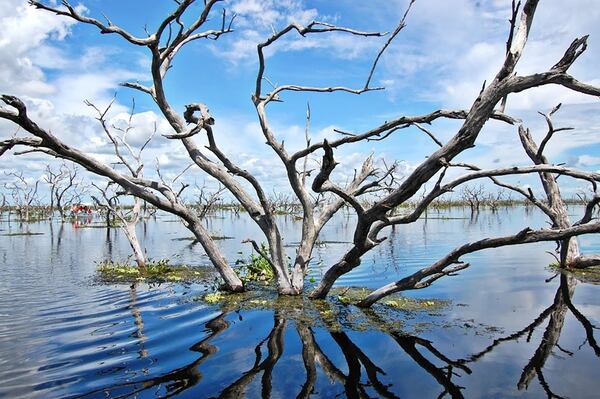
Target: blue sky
{"x":440,"y":60}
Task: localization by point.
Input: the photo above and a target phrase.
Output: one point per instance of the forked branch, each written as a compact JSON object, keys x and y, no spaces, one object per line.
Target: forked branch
{"x":415,"y":280}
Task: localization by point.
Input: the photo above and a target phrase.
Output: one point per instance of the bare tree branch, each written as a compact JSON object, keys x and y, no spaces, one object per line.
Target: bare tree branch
{"x":400,"y":26}
{"x":72,"y":12}
{"x":523,"y":237}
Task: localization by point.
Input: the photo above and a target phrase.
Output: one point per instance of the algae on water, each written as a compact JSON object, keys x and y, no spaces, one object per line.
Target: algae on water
{"x":156,"y":271}
{"x":336,"y":312}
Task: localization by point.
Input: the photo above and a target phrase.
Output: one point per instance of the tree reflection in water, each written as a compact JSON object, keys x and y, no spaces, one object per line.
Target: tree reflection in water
{"x":556,"y":314}
{"x":352,"y":384}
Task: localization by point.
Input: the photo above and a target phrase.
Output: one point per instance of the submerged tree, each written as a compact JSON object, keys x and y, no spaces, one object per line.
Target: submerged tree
{"x":128,"y":217}
{"x":24,"y":194}
{"x":64,"y":187}
{"x":385,"y":191}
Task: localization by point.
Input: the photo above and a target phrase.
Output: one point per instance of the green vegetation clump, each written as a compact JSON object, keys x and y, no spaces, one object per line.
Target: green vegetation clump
{"x":255,"y":268}
{"x":350,"y":295}
{"x":156,"y":271}
{"x":413,"y":304}
{"x":335,"y":312}
{"x":213,"y":297}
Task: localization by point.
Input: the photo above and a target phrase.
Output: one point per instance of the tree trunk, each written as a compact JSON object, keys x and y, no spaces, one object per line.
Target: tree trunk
{"x":350,"y":260}
{"x":301,"y":263}
{"x":232,"y":281}
{"x":569,"y":248}
{"x":280,"y":262}
{"x":138,"y":253}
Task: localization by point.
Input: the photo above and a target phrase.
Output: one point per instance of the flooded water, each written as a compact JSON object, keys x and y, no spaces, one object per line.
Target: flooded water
{"x":509,"y":330}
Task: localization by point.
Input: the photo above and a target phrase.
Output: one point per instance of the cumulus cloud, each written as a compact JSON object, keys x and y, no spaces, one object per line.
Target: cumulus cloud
{"x":441,"y":59}
{"x":31,"y":47}
{"x":24,"y":43}
{"x":450,"y":48}
{"x":257,"y":20}
{"x":588,"y":160}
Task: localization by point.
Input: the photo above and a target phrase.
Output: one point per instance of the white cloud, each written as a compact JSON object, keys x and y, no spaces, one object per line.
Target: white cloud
{"x":588,"y":160}
{"x":267,"y":13}
{"x":442,"y":57}
{"x":24,"y":35}
{"x":32,"y":45}
{"x":257,"y":20}
{"x":450,"y":48}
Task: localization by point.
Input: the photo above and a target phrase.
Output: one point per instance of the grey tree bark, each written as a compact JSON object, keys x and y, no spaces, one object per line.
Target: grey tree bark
{"x":196,"y":121}
{"x":373,"y":219}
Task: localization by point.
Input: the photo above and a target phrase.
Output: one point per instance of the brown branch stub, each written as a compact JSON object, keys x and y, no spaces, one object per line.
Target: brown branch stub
{"x":140,"y":87}
{"x":16,"y":103}
{"x":7,"y":145}
{"x":328,"y":164}
{"x":204,"y":121}
{"x":205,"y":116}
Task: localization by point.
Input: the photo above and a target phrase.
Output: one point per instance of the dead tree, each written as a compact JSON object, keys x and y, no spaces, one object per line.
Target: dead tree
{"x":24,"y":194}
{"x":164,"y":46}
{"x":207,"y":200}
{"x":385,"y":192}
{"x":64,"y":187}
{"x":373,"y":219}
{"x":128,"y":218}
{"x":52,"y":179}
{"x":3,"y":203}
{"x":494,"y":200}
{"x":554,"y":205}
{"x":131,"y":159}
{"x":474,"y":196}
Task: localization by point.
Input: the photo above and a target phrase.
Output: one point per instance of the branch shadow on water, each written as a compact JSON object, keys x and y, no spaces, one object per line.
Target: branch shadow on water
{"x":354,"y":374}
{"x":549,"y":343}
{"x":268,"y":352}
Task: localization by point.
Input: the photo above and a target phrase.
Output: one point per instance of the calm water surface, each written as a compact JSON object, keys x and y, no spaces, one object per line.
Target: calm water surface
{"x":507,"y":332}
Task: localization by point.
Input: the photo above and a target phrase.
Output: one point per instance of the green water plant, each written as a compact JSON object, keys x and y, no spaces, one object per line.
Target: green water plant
{"x":156,"y":271}
{"x":336,"y":312}
{"x":256,"y":267}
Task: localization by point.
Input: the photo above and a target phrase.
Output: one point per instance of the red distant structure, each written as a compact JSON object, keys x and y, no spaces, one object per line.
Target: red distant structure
{"x":78,"y":209}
